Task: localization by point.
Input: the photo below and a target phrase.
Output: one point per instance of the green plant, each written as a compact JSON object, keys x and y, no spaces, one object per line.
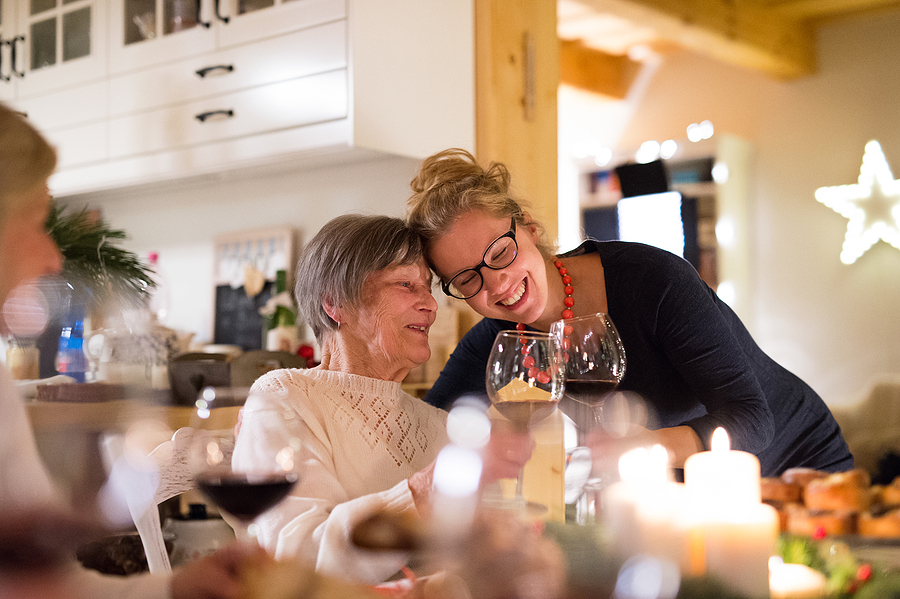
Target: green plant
{"x":93,"y":259}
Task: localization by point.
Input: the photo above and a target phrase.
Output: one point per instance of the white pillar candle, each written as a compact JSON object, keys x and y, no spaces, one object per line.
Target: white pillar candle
{"x":795,"y":581}
{"x":736,"y":531}
{"x":663,"y":528}
{"x":722,"y":477}
{"x":640,"y":512}
{"x":737,"y":548}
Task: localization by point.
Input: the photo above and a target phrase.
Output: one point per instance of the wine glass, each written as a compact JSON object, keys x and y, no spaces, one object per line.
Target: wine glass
{"x":594,"y":364}
{"x":246,"y":489}
{"x":524,"y":381}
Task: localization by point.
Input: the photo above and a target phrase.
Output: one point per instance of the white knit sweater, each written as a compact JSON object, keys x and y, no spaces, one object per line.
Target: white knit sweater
{"x":360,"y":439}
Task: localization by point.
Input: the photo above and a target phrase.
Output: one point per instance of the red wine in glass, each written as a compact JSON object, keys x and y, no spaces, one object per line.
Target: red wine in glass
{"x":590,"y":392}
{"x":246,"y":496}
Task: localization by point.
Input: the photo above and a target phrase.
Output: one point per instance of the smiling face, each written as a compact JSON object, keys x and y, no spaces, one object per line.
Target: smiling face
{"x":387,"y":335}
{"x":26,"y":250}
{"x":517,"y":292}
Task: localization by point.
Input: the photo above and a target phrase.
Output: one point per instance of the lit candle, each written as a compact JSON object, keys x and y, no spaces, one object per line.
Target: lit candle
{"x":618,"y":511}
{"x":641,"y":512}
{"x":721,"y":477}
{"x":795,"y":581}
{"x":737,"y":532}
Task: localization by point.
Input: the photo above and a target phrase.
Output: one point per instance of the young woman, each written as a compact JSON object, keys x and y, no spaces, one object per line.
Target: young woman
{"x":689,"y":356}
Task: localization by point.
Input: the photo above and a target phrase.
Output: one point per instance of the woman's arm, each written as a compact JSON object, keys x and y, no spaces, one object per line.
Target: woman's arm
{"x":699,"y":336}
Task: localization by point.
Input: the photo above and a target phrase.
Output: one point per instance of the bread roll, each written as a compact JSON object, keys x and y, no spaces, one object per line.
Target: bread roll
{"x":843,"y":491}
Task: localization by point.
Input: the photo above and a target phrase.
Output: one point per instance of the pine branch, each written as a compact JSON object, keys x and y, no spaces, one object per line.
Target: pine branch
{"x":92,"y":258}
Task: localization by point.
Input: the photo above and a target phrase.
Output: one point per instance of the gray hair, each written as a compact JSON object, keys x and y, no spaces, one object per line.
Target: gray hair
{"x":334,"y":265}
{"x":26,"y":160}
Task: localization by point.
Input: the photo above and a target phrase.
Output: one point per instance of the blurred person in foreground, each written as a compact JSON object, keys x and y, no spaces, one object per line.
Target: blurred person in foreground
{"x":366,"y":446}
{"x":689,"y":355}
{"x":36,"y":531}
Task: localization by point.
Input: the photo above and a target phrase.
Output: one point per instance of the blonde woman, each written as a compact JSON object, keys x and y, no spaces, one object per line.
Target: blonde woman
{"x":27,"y":496}
{"x":689,"y":355}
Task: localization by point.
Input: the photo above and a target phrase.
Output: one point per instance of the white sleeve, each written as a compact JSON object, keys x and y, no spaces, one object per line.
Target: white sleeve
{"x":315,"y":521}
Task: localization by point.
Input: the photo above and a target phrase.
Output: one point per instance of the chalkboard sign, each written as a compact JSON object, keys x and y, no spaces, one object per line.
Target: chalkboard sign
{"x":237,"y":318}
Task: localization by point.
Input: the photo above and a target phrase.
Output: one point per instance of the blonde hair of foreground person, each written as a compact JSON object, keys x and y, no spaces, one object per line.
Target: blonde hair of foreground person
{"x":26,"y":161}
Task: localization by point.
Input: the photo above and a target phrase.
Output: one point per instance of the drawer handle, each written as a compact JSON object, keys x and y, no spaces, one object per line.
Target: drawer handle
{"x":219,"y":14}
{"x":225,"y":68}
{"x":214,"y":115}
{"x":14,"y":43}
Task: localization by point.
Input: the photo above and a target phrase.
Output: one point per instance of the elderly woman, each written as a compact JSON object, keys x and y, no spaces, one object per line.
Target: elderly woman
{"x":689,"y":355}
{"x":365,"y":290}
{"x":28,"y":499}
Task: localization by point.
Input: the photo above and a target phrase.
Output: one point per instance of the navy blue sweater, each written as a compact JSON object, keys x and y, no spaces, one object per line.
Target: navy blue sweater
{"x":690,"y":357}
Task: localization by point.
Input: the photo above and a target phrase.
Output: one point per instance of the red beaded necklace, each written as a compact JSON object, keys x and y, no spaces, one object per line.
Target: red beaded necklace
{"x":569,"y":301}
{"x":540,"y":375}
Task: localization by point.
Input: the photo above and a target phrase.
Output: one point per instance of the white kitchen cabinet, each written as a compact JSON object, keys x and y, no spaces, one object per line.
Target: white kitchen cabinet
{"x":50,"y":45}
{"x":342,"y":77}
{"x":257,"y":110}
{"x":298,"y":54}
{"x":145,"y":33}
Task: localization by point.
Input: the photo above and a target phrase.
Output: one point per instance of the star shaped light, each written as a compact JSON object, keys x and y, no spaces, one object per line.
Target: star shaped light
{"x":872,"y":205}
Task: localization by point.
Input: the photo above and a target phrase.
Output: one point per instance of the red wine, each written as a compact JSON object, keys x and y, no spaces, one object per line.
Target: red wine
{"x":589,"y":392}
{"x":246,"y":496}
{"x":523,"y":413}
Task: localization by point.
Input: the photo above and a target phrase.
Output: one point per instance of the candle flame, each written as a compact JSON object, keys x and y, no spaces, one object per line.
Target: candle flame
{"x":720,"y":441}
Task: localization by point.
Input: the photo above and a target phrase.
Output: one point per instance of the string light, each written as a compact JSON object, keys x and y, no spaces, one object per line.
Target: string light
{"x":872,"y":205}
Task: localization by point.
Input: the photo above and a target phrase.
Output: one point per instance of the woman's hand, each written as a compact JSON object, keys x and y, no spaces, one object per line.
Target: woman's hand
{"x":217,"y":576}
{"x":680,"y":441}
{"x":507,"y":452}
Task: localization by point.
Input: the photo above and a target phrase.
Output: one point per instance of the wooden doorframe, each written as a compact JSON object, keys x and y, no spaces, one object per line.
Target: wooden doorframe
{"x":516,"y":83}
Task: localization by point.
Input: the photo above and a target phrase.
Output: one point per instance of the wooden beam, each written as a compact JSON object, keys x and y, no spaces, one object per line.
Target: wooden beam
{"x":741,"y":33}
{"x":516,"y":84}
{"x":817,"y":9}
{"x":595,"y":71}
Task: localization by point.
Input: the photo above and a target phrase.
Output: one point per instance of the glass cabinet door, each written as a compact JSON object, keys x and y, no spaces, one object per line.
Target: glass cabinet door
{"x":149,"y":19}
{"x":58,"y":31}
{"x":56,"y":44}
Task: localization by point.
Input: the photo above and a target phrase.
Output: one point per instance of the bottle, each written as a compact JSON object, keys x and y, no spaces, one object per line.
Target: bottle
{"x":281,"y":318}
{"x":71,"y":360}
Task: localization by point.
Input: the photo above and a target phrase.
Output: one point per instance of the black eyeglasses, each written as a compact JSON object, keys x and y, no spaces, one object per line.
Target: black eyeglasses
{"x":498,"y":255}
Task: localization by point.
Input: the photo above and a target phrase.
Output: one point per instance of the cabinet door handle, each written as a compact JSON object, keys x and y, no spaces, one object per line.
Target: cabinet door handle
{"x":225,"y":68}
{"x":3,"y":77}
{"x":219,"y":14}
{"x":14,"y":42}
{"x":200,"y":15}
{"x":214,"y":115}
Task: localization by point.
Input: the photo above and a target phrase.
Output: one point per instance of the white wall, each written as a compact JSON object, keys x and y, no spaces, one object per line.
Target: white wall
{"x":180,"y":223}
{"x":837,"y":326}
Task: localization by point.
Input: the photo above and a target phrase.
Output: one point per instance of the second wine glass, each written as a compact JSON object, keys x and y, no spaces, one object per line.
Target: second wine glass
{"x":524,"y":380}
{"x":594,"y":359}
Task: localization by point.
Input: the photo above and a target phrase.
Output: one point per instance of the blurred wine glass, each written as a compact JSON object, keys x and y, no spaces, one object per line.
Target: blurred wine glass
{"x":246,"y":491}
{"x":594,"y":365}
{"x":524,"y":381}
